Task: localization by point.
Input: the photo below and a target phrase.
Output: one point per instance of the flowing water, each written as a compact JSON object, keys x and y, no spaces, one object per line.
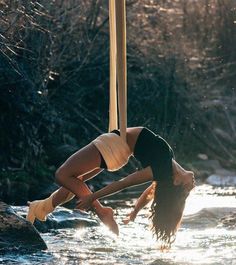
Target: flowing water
{"x":201,"y":240}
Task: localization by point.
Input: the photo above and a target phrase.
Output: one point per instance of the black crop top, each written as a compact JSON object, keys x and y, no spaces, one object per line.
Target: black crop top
{"x":152,"y":150}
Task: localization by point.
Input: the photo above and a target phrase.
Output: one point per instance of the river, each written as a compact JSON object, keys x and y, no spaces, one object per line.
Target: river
{"x":201,"y":240}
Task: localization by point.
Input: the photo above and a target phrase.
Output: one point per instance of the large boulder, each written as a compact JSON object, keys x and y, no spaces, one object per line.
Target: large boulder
{"x":16,"y":233}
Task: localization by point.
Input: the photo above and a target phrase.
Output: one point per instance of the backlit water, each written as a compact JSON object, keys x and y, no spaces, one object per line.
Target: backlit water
{"x":201,"y":240}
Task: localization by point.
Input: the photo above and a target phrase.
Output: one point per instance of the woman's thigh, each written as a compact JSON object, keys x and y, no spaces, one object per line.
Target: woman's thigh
{"x":83,"y":161}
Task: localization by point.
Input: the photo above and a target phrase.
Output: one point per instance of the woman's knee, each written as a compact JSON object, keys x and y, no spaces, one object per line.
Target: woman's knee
{"x":61,"y":175}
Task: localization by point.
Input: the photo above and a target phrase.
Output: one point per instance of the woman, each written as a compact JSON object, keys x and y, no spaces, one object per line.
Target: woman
{"x":109,"y":151}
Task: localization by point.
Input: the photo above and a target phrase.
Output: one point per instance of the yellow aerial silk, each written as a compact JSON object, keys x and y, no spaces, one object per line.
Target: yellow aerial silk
{"x":118,"y":68}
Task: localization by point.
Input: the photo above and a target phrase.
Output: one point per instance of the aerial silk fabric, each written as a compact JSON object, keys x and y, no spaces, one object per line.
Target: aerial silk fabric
{"x":118,"y":68}
{"x":114,"y":150}
{"x":113,"y":115}
{"x":41,"y":208}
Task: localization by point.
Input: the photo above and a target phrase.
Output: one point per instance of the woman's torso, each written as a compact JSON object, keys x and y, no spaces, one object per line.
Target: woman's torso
{"x":150,"y":150}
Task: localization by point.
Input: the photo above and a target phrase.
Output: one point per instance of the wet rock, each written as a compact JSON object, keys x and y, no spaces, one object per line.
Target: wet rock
{"x":222,"y":177}
{"x":16,"y":233}
{"x":229,"y":221}
{"x":209,"y":217}
{"x":61,"y":218}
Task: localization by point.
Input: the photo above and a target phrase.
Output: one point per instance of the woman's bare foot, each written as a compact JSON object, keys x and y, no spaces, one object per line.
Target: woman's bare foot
{"x":106,"y":215}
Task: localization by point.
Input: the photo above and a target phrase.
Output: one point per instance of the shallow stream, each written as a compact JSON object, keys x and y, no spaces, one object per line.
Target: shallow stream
{"x":202,"y":238}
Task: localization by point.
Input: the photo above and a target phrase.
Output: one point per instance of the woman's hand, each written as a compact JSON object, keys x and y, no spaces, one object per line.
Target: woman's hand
{"x":85,"y":202}
{"x":130,"y":217}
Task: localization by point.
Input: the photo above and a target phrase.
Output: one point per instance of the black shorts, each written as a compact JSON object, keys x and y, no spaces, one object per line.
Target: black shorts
{"x":152,"y":150}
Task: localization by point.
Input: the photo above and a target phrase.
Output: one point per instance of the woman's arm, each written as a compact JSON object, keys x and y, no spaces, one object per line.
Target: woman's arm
{"x":143,"y":200}
{"x":136,"y":178}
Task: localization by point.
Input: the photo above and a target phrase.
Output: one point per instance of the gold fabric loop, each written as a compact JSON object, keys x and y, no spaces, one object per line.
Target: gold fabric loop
{"x":114,"y":150}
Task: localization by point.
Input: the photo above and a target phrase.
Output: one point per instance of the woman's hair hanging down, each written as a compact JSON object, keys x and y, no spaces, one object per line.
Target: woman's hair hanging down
{"x":167,"y":211}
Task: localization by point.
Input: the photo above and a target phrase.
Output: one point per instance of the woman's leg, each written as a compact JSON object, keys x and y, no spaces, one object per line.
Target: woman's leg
{"x":105,"y":214}
{"x":41,"y":208}
{"x":63,"y":195}
{"x":82,"y":162}
{"x":85,"y":164}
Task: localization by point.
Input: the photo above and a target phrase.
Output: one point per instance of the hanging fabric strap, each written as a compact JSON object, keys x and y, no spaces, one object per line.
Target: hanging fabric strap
{"x":117,"y":15}
{"x":113,"y":116}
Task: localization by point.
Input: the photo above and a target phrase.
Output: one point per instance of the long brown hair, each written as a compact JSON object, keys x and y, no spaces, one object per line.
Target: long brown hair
{"x":167,"y":211}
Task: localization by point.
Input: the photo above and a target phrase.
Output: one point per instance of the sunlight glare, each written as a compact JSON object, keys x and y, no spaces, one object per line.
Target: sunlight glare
{"x":80,"y":233}
{"x":199,"y":200}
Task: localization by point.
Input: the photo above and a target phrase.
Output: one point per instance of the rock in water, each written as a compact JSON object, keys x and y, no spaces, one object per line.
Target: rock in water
{"x":16,"y":233}
{"x":65,"y":218}
{"x":212,"y":217}
{"x":60,"y":218}
{"x":229,"y":221}
{"x":223,"y":178}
